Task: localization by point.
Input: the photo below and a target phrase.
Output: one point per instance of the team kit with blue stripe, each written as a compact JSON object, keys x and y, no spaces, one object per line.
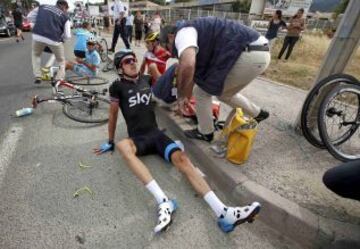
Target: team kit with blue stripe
{"x":134,"y":99}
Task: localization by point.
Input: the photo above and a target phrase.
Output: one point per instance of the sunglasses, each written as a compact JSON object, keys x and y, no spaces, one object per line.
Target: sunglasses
{"x":129,"y":61}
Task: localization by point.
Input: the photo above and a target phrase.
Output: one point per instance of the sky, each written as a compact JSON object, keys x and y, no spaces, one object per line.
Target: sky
{"x":71,"y":2}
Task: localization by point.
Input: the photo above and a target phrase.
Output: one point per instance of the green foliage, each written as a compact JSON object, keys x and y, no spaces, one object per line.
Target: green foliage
{"x":341,"y":7}
{"x":159,"y":2}
{"x":242,"y":6}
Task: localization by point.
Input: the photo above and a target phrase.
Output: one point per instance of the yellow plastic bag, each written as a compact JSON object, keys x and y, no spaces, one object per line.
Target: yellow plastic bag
{"x":240,"y":132}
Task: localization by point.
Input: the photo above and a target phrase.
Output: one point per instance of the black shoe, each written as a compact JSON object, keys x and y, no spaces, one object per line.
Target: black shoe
{"x":195,"y":133}
{"x":37,"y":81}
{"x":262,"y":116}
{"x":111,"y":50}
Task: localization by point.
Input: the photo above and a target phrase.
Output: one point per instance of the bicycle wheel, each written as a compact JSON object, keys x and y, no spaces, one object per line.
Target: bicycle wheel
{"x":339,"y":121}
{"x":103,"y":50}
{"x":85,"y":110}
{"x":108,"y":66}
{"x":81,"y":80}
{"x":309,"y":114}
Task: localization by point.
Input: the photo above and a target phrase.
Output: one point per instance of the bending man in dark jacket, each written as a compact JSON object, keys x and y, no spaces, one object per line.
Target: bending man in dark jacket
{"x":221,"y":57}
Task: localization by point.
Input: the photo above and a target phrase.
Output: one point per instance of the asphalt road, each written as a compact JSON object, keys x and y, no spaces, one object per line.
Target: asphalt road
{"x":39,"y":172}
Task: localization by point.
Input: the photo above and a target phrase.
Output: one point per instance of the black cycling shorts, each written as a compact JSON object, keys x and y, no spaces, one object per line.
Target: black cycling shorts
{"x":155,"y":142}
{"x":79,"y":53}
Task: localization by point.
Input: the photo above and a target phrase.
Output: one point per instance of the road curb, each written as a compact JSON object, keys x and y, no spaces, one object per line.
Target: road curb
{"x":288,"y":218}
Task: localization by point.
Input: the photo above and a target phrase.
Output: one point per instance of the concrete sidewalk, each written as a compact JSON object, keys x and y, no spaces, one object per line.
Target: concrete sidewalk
{"x":284,"y":171}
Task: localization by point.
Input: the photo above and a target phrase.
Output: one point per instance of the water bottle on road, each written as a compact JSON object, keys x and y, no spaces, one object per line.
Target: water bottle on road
{"x":24,"y":112}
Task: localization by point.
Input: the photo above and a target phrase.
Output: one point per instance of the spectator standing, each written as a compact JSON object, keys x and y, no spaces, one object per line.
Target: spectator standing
{"x":180,"y":22}
{"x":18,"y":20}
{"x":138,"y":21}
{"x":297,"y":24}
{"x":147,"y":24}
{"x":51,"y":27}
{"x":156,"y":23}
{"x":275,"y":24}
{"x":107,"y":23}
{"x":119,"y":29}
{"x":129,"y":26}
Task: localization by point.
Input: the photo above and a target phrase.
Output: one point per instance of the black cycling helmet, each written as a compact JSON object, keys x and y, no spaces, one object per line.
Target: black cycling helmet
{"x":120,"y":55}
{"x":62,"y":3}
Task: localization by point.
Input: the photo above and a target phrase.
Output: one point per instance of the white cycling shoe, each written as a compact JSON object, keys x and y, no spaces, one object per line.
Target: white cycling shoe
{"x":237,"y":215}
{"x":166,"y":209}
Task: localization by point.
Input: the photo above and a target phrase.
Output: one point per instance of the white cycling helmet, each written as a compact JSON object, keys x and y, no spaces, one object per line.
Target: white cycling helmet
{"x":91,"y":39}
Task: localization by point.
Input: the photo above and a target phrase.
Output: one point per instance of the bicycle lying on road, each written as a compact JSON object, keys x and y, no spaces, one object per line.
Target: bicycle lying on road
{"x":330,"y":116}
{"x":82,"y":105}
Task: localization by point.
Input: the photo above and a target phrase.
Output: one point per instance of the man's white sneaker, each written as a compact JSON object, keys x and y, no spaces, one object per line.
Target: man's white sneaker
{"x":166,"y":209}
{"x":237,"y":215}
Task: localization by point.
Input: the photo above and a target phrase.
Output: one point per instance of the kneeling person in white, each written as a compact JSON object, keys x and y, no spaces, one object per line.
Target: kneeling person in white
{"x":131,"y":93}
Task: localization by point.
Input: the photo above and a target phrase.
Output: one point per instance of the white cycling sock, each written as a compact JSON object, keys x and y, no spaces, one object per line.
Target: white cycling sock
{"x":157,"y":192}
{"x":214,"y":202}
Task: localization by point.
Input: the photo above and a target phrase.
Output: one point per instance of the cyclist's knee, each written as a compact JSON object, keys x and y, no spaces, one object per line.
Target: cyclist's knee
{"x":126,"y":148}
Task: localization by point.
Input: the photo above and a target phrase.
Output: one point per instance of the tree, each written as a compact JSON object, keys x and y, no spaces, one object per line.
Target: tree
{"x":341,"y":8}
{"x":242,"y":6}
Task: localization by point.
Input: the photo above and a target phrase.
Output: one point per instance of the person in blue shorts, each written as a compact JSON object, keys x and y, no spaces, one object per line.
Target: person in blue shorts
{"x":82,"y":35}
{"x":87,"y":67}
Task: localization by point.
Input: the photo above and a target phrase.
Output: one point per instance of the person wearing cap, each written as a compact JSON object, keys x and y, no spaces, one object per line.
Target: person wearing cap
{"x":51,"y":28}
{"x":155,"y":57}
{"x":132,"y":94}
{"x":87,"y":67}
{"x":217,"y":57}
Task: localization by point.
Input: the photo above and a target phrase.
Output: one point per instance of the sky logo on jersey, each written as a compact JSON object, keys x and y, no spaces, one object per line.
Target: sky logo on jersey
{"x":139,"y":99}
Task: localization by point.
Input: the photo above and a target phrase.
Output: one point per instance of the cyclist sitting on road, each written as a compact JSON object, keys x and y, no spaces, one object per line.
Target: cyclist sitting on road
{"x":155,"y":58}
{"x":132,"y":94}
{"x":87,"y":67}
{"x":82,"y":35}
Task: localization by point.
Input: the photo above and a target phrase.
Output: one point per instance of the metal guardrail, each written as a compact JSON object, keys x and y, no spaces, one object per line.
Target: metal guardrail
{"x":171,"y":15}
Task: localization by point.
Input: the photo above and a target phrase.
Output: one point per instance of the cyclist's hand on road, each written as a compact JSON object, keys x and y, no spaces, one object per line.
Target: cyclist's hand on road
{"x":105,"y":147}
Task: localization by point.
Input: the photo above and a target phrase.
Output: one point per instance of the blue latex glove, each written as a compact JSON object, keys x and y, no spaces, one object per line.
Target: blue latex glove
{"x":105,"y":147}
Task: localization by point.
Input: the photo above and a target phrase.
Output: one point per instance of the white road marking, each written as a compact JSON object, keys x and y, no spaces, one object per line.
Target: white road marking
{"x":5,"y":39}
{"x":7,"y":149}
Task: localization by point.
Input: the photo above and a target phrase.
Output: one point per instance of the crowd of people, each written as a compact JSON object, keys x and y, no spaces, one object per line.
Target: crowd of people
{"x":216,"y":57}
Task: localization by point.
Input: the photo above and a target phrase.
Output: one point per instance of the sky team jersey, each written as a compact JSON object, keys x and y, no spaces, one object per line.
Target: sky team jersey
{"x":82,"y":36}
{"x":159,"y":57}
{"x":135,"y":103}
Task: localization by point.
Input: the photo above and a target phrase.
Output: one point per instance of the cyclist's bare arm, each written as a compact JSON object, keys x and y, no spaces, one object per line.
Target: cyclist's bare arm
{"x":113,"y":114}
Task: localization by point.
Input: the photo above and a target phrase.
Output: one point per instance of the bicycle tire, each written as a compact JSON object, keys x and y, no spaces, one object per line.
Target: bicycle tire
{"x":108,"y":66}
{"x":104,"y":50}
{"x":89,"y":81}
{"x":333,"y":146}
{"x":79,"y":110}
{"x":311,"y":134}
